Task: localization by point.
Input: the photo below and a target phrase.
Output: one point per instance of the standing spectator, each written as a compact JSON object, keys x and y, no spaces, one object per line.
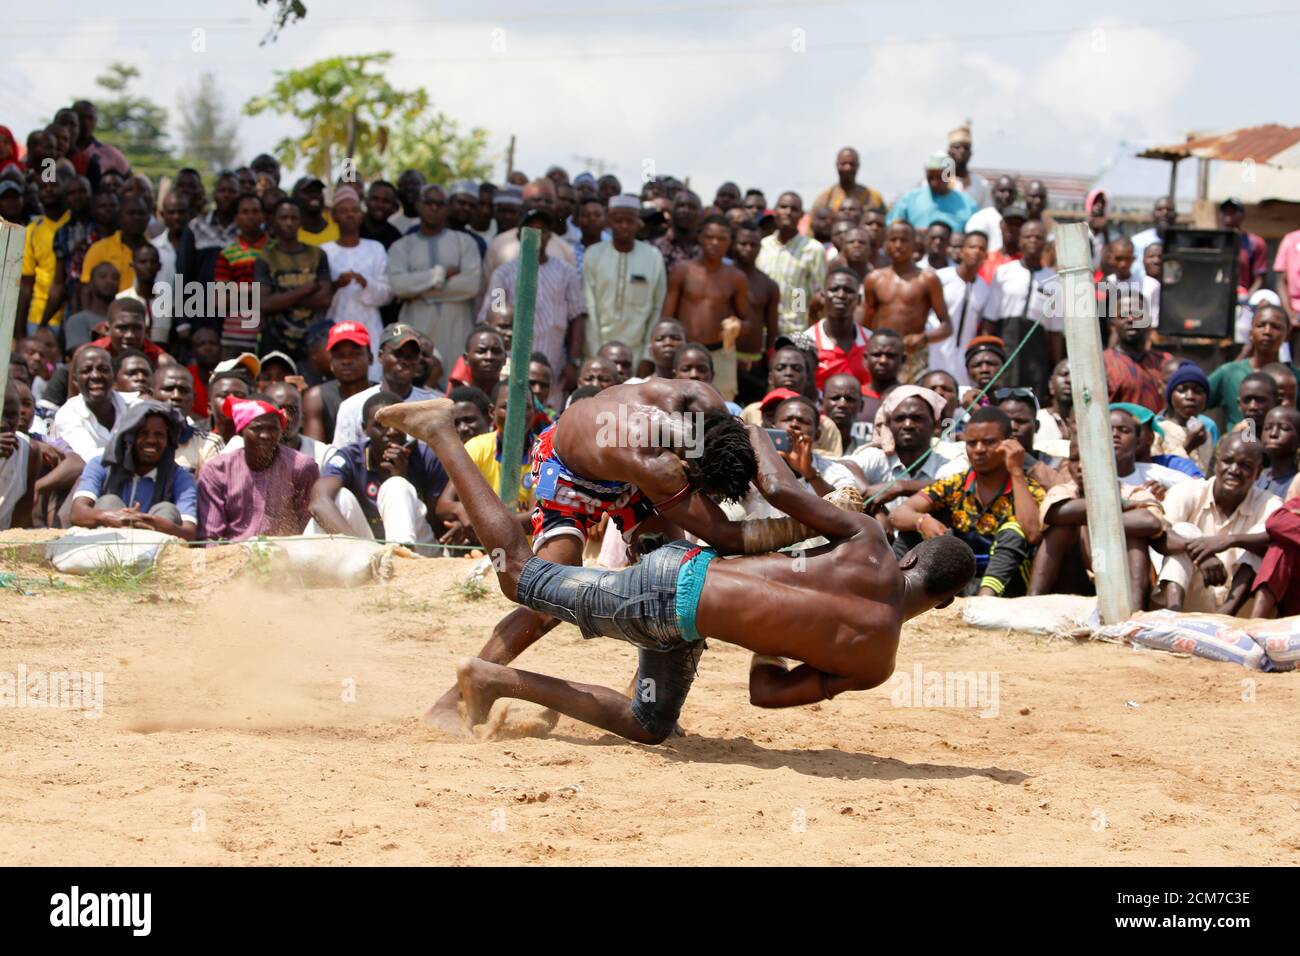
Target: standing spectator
{"x":348,"y":346}
{"x":359,"y":268}
{"x":560,"y":317}
{"x":796,"y":263}
{"x":1024,"y":293}
{"x":409,"y":185}
{"x":1164,"y":217}
{"x":935,"y":200}
{"x":71,"y":241}
{"x":1252,"y":251}
{"x":971,"y":184}
{"x":538,"y":194}
{"x":847,"y":164}
{"x":1132,"y":367}
{"x":989,"y":219}
{"x":236,"y":264}
{"x":39,"y":262}
{"x":209,"y":235}
{"x":317,"y":227}
{"x":966,"y":294}
{"x":437,"y":273}
{"x":295,"y":282}
{"x":623,"y":282}
{"x":681,"y":242}
{"x":400,"y":360}
{"x":1268,"y":330}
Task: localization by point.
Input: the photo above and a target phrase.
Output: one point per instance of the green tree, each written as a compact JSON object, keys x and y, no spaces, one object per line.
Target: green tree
{"x":348,"y":111}
{"x":133,"y":124}
{"x":284,"y":12}
{"x":433,"y":145}
{"x":207,"y":134}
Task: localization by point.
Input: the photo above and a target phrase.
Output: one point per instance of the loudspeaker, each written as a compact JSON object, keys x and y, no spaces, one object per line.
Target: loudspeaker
{"x":1198,"y":283}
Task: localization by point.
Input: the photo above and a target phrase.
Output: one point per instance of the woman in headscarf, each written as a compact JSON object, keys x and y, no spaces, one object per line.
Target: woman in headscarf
{"x":135,"y":481}
{"x":9,"y":152}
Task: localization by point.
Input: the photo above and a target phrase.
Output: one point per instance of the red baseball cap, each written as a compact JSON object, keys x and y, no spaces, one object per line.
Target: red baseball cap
{"x":778,"y":395}
{"x":353,"y":332}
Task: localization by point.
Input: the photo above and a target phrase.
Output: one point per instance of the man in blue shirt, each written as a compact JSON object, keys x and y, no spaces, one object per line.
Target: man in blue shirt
{"x":135,"y":481}
{"x":936,"y":201}
{"x":379,"y":487}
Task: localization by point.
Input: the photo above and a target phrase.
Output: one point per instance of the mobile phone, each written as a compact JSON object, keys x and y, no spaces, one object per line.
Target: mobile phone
{"x":780,"y":438}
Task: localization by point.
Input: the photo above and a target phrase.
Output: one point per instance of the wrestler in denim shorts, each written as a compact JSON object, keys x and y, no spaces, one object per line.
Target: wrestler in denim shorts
{"x":637,"y":605}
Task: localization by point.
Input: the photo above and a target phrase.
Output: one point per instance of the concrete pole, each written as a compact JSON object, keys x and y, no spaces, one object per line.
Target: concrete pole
{"x":1092,"y":422}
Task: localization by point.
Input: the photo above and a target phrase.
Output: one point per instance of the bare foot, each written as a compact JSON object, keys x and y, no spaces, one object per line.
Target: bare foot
{"x":422,"y":420}
{"x":472,"y":676}
{"x":446,"y":719}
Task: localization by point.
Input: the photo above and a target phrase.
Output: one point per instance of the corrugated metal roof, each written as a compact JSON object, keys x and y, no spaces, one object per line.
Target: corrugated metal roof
{"x":1258,"y":143}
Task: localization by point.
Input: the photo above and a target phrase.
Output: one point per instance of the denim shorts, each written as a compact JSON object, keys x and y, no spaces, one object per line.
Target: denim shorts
{"x":637,"y":605}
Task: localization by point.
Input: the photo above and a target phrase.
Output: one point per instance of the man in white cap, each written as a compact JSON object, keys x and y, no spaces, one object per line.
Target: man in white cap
{"x":972,"y":184}
{"x":462,"y":205}
{"x":507,"y":207}
{"x":623,"y":281}
{"x":437,"y":273}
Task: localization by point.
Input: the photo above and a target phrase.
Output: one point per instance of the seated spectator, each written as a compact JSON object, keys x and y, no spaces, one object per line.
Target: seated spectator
{"x":1217,"y":534}
{"x":19,"y":467}
{"x":348,"y":347}
{"x":1257,"y":395}
{"x":263,"y":490}
{"x":1063,"y":564}
{"x":472,"y":412}
{"x":132,"y":372}
{"x":692,"y":361}
{"x":993,"y":506}
{"x":145,"y":265}
{"x":286,"y":397}
{"x":1056,"y":420}
{"x":885,"y":354}
{"x":985,"y":357}
{"x":275,"y":367}
{"x":1161,"y":475}
{"x":798,"y":417}
{"x":128,"y":329}
{"x":135,"y":481}
{"x":1021,"y":407}
{"x":173,"y":385}
{"x":912,"y":416}
{"x":600,"y":373}
{"x":1286,"y":382}
{"x":86,"y":420}
{"x":383,"y":486}
{"x":399,"y":362}
{"x":842,"y":404}
{"x":1277,"y":582}
{"x":1186,"y":393}
{"x":232,"y":377}
{"x":205,"y":356}
{"x":1281,"y":441}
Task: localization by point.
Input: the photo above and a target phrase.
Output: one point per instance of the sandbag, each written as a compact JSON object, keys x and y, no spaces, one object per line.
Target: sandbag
{"x":83,"y":550}
{"x":332,"y":561}
{"x":1044,"y":614}
{"x":1216,"y":637}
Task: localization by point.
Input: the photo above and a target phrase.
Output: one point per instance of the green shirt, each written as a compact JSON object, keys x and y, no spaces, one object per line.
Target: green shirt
{"x":1225,"y":382}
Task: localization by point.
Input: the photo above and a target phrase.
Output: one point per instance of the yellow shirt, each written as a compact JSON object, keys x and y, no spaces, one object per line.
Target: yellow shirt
{"x":482,"y":450}
{"x":329,"y":234}
{"x":110,"y":249}
{"x":39,"y":262}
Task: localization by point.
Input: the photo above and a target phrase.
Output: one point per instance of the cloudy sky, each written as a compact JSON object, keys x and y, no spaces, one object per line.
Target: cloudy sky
{"x":751,"y":90}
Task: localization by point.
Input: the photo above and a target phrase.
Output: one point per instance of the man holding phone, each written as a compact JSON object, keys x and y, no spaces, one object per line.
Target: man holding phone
{"x":384,"y":486}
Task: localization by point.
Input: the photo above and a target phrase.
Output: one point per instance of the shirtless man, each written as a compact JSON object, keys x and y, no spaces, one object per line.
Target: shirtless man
{"x":764,"y":325}
{"x":900,"y":297}
{"x":630,"y":452}
{"x":841,"y":615}
{"x":705,"y":294}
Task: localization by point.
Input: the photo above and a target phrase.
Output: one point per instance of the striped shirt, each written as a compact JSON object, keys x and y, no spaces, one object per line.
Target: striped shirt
{"x":235,"y":264}
{"x":798,"y":267}
{"x":559,"y":302}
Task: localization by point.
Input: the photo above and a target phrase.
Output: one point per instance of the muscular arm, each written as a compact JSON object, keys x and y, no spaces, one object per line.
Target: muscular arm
{"x":869,"y":304}
{"x":740,"y":303}
{"x":772,"y":685}
{"x":26,"y":285}
{"x":58,"y":292}
{"x":1138,"y":522}
{"x":908,"y":515}
{"x":778,"y":485}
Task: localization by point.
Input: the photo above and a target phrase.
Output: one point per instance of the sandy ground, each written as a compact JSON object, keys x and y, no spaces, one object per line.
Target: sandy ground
{"x":247,"y":725}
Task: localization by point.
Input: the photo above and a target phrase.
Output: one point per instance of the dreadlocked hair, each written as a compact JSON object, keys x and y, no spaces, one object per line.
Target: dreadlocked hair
{"x":726,"y":465}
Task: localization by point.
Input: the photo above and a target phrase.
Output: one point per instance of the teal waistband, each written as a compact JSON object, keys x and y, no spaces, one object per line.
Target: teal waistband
{"x":690,"y":585}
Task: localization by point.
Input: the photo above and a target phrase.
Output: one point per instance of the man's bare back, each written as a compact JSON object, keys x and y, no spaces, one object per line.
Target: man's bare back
{"x":701,"y":297}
